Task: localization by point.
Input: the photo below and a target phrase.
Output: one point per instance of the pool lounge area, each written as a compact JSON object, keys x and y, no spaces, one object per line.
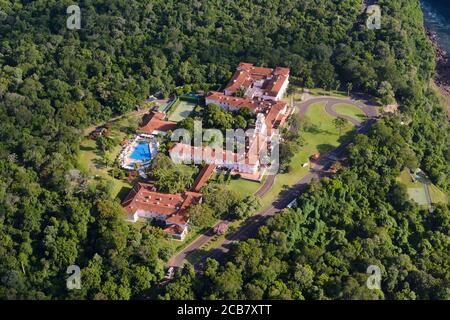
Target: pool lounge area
{"x":140,"y":151}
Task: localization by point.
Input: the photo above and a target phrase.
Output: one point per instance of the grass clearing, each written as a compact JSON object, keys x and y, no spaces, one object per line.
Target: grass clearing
{"x":438,"y":196}
{"x":242,"y":186}
{"x":406,"y":179}
{"x":418,"y":195}
{"x":350,"y":111}
{"x":332,"y":93}
{"x":245,"y":187}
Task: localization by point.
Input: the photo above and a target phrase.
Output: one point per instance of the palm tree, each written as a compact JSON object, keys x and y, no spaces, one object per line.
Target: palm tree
{"x":349,"y":88}
{"x":339,"y":123}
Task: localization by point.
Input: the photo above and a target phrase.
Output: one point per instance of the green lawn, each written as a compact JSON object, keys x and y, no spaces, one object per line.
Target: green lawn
{"x":296,"y":93}
{"x":416,"y":190}
{"x":245,"y":187}
{"x":182,"y":111}
{"x":242,"y":186}
{"x":406,"y":179}
{"x":323,"y":138}
{"x":90,"y":159}
{"x":349,"y":110}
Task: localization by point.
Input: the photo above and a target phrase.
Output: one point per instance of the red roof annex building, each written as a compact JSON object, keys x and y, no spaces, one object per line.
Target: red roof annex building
{"x":144,"y":201}
{"x":154,"y":123}
{"x":258,"y":82}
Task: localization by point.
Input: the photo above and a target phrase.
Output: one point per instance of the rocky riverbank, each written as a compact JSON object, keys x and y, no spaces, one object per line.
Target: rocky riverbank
{"x":442,"y":75}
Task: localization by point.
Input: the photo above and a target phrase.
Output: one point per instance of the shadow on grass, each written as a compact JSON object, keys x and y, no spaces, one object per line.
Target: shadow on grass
{"x":99,"y":164}
{"x":361,"y":117}
{"x":315,"y":129}
{"x":348,"y":136}
{"x":85,"y":148}
{"x":196,"y":255}
{"x":325,"y":148}
{"x":123,"y":192}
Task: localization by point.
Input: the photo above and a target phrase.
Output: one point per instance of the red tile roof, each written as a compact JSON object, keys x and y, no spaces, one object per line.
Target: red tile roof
{"x":246,"y":74}
{"x":155,"y":121}
{"x":273,"y":86}
{"x":275,"y":118}
{"x":210,"y":155}
{"x":237,"y":102}
{"x":144,"y":197}
{"x":173,"y":229}
{"x":203,"y":176}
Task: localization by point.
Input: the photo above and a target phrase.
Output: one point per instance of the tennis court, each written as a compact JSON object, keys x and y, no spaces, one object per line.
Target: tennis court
{"x":419,"y":195}
{"x":182,"y":110}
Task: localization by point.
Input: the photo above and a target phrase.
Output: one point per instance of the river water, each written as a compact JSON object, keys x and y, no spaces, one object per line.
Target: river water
{"x":437,"y":19}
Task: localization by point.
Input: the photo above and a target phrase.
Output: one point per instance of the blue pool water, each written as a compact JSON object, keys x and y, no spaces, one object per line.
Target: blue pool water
{"x":142,"y":152}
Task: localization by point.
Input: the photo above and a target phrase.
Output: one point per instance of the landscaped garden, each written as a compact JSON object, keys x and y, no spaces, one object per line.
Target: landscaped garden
{"x":328,"y":93}
{"x":321,"y":137}
{"x":98,"y":163}
{"x":245,"y":187}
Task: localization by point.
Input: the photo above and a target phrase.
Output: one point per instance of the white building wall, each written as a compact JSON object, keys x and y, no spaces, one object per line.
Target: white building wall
{"x":283,"y":89}
{"x":280,"y":94}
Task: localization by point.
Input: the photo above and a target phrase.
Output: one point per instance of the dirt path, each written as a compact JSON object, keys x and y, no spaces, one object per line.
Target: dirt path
{"x":251,"y":225}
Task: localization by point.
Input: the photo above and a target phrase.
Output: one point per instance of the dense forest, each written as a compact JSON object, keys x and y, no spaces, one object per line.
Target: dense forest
{"x":55,"y":81}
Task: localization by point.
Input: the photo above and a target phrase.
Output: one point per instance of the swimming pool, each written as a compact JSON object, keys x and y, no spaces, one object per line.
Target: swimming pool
{"x":142,"y":152}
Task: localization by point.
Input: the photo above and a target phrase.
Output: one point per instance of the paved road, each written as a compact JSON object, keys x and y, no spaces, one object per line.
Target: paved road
{"x":251,"y":225}
{"x":266,"y":186}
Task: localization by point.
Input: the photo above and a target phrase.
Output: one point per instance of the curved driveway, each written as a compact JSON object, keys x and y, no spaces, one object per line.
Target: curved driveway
{"x":252,"y":224}
{"x":369,"y":111}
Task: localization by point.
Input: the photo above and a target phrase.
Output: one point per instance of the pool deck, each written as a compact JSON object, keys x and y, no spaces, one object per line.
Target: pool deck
{"x":126,"y":157}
